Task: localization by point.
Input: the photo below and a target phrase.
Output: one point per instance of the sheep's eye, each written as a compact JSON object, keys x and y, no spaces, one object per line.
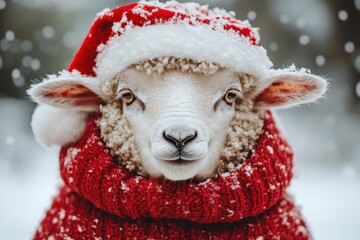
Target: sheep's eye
{"x":127,"y":96}
{"x":231,"y":96}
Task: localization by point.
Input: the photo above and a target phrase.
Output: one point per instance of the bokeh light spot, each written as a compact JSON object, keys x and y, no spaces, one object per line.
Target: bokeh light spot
{"x":35,"y":64}
{"x":349,"y":47}
{"x":357,"y":4}
{"x":320,"y":60}
{"x":301,"y":23}
{"x":2,"y":4}
{"x":357,"y":89}
{"x":357,"y":63}
{"x":343,"y":15}
{"x":274,"y":46}
{"x":10,"y":35}
{"x":26,"y":45}
{"x":10,"y":140}
{"x":15,"y":73}
{"x":284,"y":18}
{"x":304,"y":39}
{"x":26,"y":61}
{"x":48,"y":32}
{"x":251,"y":15}
{"x":69,"y":39}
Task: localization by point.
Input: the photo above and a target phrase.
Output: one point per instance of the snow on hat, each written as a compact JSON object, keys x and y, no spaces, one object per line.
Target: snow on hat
{"x":141,"y":31}
{"x":150,"y":29}
{"x":147,"y":30}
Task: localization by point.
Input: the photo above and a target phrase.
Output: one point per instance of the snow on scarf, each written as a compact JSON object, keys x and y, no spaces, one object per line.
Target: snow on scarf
{"x":102,"y":200}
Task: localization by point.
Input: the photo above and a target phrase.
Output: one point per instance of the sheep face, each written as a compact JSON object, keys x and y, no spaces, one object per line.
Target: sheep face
{"x":179,"y":120}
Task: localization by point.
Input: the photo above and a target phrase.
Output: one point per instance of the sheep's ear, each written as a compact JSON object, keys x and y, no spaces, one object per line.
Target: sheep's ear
{"x":284,"y":89}
{"x":82,"y":93}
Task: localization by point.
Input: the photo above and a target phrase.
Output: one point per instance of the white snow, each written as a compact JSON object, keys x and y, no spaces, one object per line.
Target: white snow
{"x":320,"y":60}
{"x":124,"y":187}
{"x":10,"y":35}
{"x":343,"y":15}
{"x":48,"y":32}
{"x":71,"y":154}
{"x":357,"y":89}
{"x":349,"y":47}
{"x":270,"y":149}
{"x":251,"y":15}
{"x":357,"y":4}
{"x":195,"y":42}
{"x":103,"y":12}
{"x":304,"y":39}
{"x":2,"y":4}
{"x":248,"y":170}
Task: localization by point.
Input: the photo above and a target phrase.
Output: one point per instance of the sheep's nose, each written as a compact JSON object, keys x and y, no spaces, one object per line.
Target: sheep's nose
{"x":179,"y":142}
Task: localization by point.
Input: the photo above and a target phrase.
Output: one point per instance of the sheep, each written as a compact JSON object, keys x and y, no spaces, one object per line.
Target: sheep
{"x":164,"y":122}
{"x":179,"y":118}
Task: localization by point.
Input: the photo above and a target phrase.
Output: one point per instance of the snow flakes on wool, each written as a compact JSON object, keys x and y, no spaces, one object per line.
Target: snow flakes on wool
{"x":117,"y":135}
{"x":162,"y":64}
{"x":242,"y":136}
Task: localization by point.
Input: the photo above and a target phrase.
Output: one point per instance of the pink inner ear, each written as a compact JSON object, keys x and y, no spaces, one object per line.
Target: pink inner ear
{"x":79,"y":94}
{"x":280,"y":92}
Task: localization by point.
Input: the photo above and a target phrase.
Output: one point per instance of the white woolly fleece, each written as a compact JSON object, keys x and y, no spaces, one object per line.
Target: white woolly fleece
{"x":57,"y":127}
{"x":182,"y":41}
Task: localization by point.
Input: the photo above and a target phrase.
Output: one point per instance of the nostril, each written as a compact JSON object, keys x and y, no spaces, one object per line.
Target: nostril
{"x":189,"y":138}
{"x":178,"y":142}
{"x":171,"y":139}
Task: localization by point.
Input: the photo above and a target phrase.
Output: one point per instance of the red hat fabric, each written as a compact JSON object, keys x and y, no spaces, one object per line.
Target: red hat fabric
{"x":103,"y":200}
{"x":145,"y":30}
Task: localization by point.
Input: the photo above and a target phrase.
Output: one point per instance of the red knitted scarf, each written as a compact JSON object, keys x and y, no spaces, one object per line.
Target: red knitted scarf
{"x":102,"y":200}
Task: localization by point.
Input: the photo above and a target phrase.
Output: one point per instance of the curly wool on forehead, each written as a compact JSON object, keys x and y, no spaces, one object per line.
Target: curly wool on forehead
{"x":185,"y":65}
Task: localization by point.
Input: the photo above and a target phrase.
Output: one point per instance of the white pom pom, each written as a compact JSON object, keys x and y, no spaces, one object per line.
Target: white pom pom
{"x":57,"y":127}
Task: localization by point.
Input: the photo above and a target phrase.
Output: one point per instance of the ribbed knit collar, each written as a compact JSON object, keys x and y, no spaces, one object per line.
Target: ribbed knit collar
{"x":89,"y":170}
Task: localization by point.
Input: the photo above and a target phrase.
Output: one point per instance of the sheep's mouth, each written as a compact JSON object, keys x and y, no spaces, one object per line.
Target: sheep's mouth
{"x":178,"y":162}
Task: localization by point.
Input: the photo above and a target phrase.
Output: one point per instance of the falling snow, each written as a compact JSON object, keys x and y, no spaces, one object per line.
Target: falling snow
{"x":304,"y":39}
{"x":320,"y":60}
{"x":357,"y":89}
{"x":48,"y":32}
{"x":349,"y":47}
{"x":343,"y":15}
{"x":357,"y":4}
{"x":251,"y":15}
{"x":357,"y":63}
{"x":2,"y":4}
{"x":10,"y":35}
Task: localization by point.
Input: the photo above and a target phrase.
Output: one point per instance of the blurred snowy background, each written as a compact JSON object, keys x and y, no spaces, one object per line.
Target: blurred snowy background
{"x":39,"y":37}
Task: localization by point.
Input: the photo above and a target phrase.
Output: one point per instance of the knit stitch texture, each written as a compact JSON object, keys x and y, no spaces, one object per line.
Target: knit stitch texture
{"x":102,"y":200}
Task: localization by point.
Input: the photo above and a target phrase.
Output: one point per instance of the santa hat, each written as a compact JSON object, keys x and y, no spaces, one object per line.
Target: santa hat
{"x":146,"y":30}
